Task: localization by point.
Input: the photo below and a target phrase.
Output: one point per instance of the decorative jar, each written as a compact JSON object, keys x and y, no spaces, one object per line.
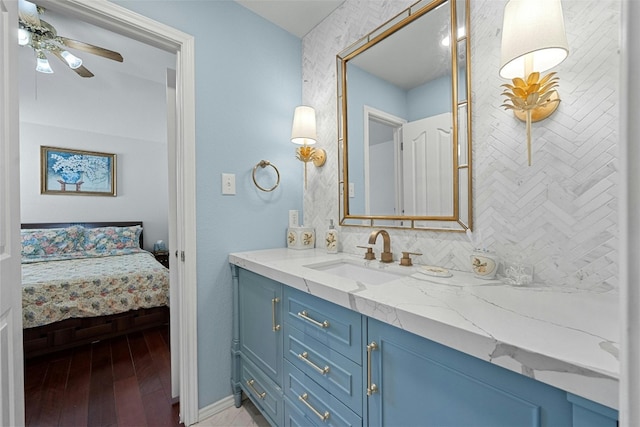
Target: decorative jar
{"x":301,"y":238}
{"x":484,"y":264}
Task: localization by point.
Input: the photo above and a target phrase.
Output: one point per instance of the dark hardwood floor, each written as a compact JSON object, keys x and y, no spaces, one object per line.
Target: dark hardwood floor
{"x":124,"y":381}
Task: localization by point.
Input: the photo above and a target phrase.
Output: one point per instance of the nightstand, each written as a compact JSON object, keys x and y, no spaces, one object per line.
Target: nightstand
{"x":162,"y":257}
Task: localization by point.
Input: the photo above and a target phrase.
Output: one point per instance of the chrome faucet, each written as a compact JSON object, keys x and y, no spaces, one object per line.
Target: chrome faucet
{"x":386,"y":255}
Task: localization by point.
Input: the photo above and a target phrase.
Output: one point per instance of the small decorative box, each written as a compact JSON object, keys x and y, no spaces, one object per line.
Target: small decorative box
{"x":484,"y":264}
{"x":301,"y":238}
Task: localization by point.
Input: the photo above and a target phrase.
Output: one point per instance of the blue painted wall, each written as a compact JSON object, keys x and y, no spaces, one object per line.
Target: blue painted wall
{"x":248,"y":82}
{"x":429,"y":99}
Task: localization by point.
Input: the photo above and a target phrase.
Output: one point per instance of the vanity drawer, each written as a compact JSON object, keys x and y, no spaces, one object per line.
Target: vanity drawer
{"x":266,"y":395}
{"x":293,"y":416}
{"x":336,"y":327}
{"x":318,"y":406}
{"x":340,"y":376}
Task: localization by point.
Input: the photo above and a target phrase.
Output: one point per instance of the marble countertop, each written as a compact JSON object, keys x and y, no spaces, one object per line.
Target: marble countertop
{"x":565,"y":338}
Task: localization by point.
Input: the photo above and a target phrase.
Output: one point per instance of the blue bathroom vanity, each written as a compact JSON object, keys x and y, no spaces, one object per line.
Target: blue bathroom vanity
{"x":315,"y":348}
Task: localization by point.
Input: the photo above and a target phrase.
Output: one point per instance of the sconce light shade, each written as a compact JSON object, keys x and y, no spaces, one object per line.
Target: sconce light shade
{"x":533,"y":37}
{"x":303,"y":131}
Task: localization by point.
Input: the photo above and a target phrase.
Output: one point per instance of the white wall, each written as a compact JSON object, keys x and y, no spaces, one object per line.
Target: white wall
{"x":562,"y":211}
{"x":117,"y":111}
{"x":142,"y":192}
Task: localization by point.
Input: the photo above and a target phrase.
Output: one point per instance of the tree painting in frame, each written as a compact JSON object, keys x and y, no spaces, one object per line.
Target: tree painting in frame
{"x":77,"y":172}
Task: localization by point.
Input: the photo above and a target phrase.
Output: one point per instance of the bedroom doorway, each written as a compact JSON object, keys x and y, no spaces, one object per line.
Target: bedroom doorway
{"x":181,"y":156}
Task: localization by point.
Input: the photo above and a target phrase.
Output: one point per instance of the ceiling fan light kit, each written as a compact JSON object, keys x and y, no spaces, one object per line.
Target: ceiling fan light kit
{"x":42,"y":64}
{"x":23,"y":37}
{"x":43,"y":38}
{"x":72,"y":60}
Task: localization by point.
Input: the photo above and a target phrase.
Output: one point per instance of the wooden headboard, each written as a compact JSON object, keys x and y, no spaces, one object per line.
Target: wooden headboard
{"x":86,"y":225}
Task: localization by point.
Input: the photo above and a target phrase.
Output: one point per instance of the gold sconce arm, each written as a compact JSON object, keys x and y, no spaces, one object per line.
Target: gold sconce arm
{"x":308,"y":154}
{"x":532,"y":100}
{"x":311,"y":154}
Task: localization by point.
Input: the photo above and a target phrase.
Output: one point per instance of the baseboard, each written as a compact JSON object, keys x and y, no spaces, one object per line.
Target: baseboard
{"x":215,"y":407}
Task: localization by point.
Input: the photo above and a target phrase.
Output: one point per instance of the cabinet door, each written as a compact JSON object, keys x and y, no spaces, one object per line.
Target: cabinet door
{"x":590,"y":414}
{"x":421,"y":383}
{"x":260,"y":316}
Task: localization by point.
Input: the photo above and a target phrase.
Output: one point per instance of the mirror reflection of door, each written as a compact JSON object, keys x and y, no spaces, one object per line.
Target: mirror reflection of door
{"x":383,"y":165}
{"x":427,"y":166}
{"x":409,"y":167}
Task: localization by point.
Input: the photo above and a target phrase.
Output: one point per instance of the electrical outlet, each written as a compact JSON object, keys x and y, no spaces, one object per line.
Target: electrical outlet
{"x":229,"y":183}
{"x":352,"y":190}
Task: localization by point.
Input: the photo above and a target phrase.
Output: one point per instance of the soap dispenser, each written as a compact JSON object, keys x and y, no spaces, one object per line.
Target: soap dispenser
{"x":331,"y":239}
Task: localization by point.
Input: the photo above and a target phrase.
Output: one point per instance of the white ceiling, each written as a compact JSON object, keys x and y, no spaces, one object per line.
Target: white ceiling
{"x":143,"y":64}
{"x":298,"y":17}
{"x":101,"y":104}
{"x":140,"y":60}
{"x":413,"y":56}
{"x":295,"y":16}
{"x":143,"y":61}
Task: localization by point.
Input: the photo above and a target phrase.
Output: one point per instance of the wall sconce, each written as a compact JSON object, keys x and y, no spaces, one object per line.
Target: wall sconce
{"x":303,"y":133}
{"x":533,"y":41}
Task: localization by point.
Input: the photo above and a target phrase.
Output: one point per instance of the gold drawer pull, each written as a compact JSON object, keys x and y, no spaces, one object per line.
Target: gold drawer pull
{"x":274,"y":301}
{"x":304,"y":398}
{"x":305,"y":356}
{"x":262,"y":395}
{"x":371,"y":388}
{"x":306,"y":317}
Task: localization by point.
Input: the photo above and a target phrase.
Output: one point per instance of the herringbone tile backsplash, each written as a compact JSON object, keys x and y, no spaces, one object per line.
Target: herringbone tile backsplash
{"x":562,"y":212}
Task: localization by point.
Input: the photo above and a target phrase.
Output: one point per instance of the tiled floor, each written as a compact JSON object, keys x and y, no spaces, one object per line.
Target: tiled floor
{"x":245,"y":416}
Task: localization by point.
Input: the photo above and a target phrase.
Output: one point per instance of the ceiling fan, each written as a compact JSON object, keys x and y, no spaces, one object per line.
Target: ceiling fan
{"x":44,"y":39}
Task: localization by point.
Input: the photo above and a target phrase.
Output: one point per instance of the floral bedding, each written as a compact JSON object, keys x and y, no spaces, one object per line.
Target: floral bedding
{"x":90,"y":283}
{"x":40,"y":244}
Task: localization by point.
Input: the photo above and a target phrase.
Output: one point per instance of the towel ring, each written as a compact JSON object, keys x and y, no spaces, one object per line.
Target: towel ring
{"x":263,"y":164}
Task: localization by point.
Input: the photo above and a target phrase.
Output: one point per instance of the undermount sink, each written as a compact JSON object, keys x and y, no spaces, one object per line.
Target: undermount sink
{"x":371,"y":275}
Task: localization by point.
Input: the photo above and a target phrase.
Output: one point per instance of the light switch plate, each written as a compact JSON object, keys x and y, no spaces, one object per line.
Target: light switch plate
{"x":229,"y":183}
{"x":352,"y":190}
{"x":293,"y":219}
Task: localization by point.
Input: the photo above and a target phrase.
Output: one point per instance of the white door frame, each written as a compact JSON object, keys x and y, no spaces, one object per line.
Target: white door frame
{"x":128,"y":23}
{"x":629,"y":155}
{"x":11,"y":354}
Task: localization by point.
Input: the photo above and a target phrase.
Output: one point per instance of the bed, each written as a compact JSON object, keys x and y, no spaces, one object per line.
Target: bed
{"x":84,"y":282}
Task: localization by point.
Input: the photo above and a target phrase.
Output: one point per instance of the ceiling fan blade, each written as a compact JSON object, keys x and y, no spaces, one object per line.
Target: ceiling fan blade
{"x":28,"y":12}
{"x":82,"y":71}
{"x":89,"y":48}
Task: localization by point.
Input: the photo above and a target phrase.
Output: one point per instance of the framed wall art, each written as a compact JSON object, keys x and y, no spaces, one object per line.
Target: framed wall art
{"x":77,"y":172}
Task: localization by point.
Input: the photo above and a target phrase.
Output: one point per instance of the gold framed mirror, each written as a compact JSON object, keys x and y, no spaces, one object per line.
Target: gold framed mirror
{"x":404,"y":125}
